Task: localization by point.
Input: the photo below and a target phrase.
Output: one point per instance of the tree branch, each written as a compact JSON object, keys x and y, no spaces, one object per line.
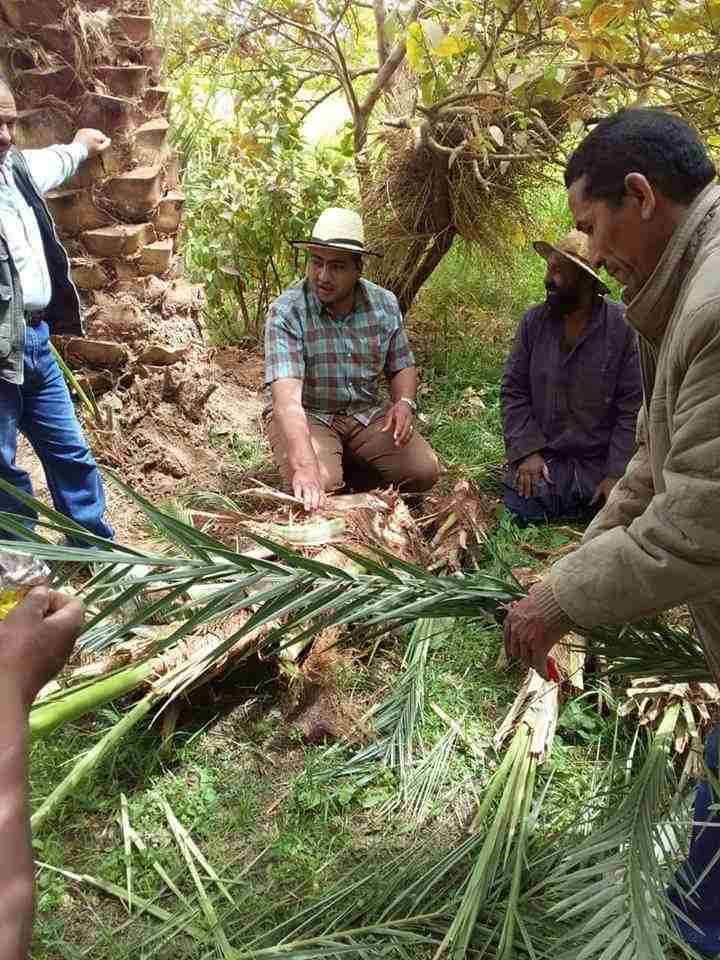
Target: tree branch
{"x":382,"y":81}
{"x":382,"y":50}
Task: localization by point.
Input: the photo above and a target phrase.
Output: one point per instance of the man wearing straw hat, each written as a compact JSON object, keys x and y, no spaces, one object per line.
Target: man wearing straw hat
{"x":328,"y":341}
{"x":570,"y":393}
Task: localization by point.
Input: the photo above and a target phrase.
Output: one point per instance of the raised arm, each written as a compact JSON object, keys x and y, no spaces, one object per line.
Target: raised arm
{"x":52,"y":166}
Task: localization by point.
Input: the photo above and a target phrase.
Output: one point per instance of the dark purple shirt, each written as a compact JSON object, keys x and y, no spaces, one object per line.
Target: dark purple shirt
{"x":580,"y":405}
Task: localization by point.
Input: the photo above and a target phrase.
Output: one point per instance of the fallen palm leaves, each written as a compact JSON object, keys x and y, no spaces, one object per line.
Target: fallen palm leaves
{"x":289,"y":601}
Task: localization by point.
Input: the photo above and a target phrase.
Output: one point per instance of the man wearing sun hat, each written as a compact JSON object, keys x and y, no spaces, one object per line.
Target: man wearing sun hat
{"x":329,"y":339}
{"x":570,"y":393}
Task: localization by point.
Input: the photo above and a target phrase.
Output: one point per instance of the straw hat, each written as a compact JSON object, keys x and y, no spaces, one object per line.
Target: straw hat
{"x":574,"y":247}
{"x":338,"y":229}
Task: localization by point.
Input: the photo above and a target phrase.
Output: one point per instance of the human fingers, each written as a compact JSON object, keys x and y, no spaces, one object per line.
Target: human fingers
{"x":524,"y":483}
{"x":546,"y":473}
{"x":65,"y":614}
{"x":31,"y":609}
{"x":405,"y":431}
{"x":388,"y":421}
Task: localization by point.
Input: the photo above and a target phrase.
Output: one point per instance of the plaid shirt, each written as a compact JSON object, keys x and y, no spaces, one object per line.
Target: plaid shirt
{"x":338,"y":361}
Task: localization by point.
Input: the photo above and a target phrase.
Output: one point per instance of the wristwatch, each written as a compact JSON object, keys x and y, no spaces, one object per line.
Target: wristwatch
{"x":410,"y":402}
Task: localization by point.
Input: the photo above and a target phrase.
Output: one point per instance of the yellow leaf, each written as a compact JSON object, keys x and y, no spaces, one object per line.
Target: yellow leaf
{"x":450,"y":46}
{"x":567,"y":25}
{"x":603,"y":14}
{"x":521,"y":20}
{"x":682,"y":23}
{"x":414,"y":47}
{"x":427,"y":89}
{"x":585,"y":47}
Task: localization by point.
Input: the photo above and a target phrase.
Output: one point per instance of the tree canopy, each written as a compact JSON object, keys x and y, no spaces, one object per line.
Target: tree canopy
{"x":456,"y":106}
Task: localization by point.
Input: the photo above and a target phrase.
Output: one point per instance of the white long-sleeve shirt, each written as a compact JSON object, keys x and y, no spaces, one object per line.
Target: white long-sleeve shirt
{"x":50,"y":168}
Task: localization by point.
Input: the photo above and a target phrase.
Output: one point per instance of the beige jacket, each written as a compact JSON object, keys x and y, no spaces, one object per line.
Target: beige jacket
{"x":656,"y":543}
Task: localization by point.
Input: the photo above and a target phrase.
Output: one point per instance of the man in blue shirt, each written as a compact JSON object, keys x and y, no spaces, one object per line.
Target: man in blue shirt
{"x":38,"y":298}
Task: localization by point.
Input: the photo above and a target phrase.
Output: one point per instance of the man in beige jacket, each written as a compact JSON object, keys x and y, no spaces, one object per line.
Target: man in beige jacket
{"x":641,"y":186}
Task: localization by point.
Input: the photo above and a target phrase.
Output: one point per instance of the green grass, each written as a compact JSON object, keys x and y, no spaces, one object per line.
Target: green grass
{"x":241,"y":781}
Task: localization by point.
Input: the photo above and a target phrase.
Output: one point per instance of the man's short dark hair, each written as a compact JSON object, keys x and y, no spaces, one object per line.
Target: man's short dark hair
{"x":658,"y":144}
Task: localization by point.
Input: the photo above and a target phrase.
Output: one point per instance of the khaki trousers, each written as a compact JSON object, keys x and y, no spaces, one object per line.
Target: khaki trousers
{"x":371,"y":456}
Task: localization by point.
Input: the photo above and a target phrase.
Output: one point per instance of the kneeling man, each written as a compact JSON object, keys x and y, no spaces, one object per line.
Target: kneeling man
{"x":570,"y":393}
{"x":328,"y":340}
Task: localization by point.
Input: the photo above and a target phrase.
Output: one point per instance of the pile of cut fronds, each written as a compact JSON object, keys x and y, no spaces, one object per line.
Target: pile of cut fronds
{"x":247,"y":603}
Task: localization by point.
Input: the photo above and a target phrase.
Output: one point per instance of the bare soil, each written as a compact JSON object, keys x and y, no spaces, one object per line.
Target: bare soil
{"x":173,"y":433}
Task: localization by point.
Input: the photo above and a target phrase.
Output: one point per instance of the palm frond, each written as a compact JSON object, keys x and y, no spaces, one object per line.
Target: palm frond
{"x":609,"y":889}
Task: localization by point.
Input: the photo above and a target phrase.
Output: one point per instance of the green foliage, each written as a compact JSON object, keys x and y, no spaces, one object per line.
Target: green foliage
{"x":240,"y":216}
{"x":251,"y":181}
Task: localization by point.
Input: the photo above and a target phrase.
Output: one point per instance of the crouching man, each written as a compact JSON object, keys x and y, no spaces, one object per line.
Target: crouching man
{"x":570,"y":393}
{"x":328,"y":341}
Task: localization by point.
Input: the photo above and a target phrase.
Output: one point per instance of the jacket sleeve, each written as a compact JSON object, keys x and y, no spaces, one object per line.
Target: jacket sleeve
{"x":52,"y":166}
{"x":626,"y":403}
{"x":523,"y":436}
{"x":670,"y":553}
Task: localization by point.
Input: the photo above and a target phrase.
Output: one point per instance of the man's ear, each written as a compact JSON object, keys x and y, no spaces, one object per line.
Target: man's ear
{"x":639,"y":188}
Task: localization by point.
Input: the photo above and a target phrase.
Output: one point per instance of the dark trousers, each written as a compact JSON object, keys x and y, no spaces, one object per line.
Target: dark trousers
{"x":567,"y":497}
{"x":697,"y":890}
{"x":42,"y":409}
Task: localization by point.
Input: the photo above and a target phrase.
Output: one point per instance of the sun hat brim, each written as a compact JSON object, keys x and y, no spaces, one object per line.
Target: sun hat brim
{"x":350,"y":246}
{"x":546,"y":250}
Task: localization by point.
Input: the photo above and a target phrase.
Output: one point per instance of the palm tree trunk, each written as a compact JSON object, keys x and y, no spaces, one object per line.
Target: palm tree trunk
{"x":94,"y":65}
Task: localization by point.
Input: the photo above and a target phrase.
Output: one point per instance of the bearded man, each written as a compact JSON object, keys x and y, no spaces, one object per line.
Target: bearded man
{"x":570,"y":393}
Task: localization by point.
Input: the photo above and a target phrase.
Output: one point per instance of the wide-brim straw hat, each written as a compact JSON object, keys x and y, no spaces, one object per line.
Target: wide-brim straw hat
{"x":338,"y":229}
{"x":575,"y":248}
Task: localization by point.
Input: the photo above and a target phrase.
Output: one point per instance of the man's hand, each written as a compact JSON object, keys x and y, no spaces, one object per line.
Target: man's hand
{"x":36,"y":638}
{"x":526,"y":637}
{"x":604,"y":489}
{"x":308,"y":487}
{"x":401,"y":420}
{"x":95,"y":141}
{"x":529,"y":472}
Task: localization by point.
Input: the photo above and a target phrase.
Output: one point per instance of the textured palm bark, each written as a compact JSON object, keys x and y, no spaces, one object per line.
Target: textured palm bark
{"x":97,"y":65}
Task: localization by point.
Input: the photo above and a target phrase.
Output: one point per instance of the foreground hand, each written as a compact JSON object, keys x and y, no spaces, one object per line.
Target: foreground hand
{"x":95,"y":141}
{"x":307,"y":486}
{"x":36,"y":639}
{"x":526,"y":637}
{"x":529,"y":472}
{"x":401,"y":420}
{"x":604,"y":489}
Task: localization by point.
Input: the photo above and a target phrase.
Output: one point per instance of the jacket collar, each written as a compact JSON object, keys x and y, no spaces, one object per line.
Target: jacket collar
{"x":650,"y":309}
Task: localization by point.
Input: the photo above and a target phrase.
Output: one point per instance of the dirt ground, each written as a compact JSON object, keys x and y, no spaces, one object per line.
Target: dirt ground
{"x":169,"y":438}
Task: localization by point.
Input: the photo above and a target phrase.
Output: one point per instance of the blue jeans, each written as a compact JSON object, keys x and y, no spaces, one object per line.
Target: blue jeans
{"x":42,"y":409}
{"x":699,"y":878}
